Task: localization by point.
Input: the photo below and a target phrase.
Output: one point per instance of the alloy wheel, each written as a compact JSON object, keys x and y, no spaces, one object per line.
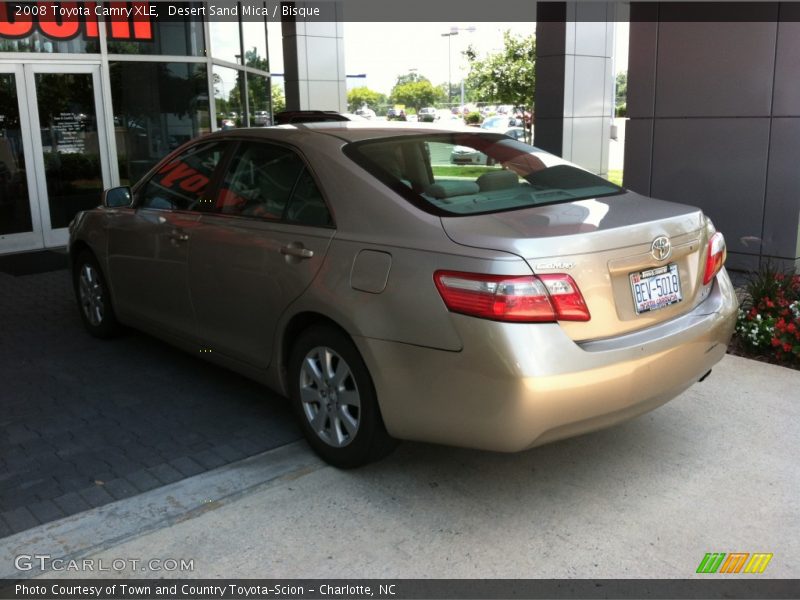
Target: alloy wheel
{"x":92,"y":294}
{"x":329,"y":396}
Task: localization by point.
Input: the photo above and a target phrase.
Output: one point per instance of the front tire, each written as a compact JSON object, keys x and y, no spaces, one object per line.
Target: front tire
{"x":94,"y":299}
{"x":334,"y":399}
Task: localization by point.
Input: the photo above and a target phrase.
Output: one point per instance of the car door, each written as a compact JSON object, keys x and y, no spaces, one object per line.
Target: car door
{"x":148,"y":246}
{"x":258,"y":251}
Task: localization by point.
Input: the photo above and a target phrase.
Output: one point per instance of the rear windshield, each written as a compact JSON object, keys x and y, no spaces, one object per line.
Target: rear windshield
{"x":474,"y":173}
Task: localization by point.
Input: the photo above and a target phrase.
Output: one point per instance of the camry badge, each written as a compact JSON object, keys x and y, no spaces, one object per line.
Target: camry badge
{"x":661,"y":248}
{"x":559,"y":264}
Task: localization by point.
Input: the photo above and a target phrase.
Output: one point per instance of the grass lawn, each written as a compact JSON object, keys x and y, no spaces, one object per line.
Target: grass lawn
{"x":460,"y":170}
{"x":615,"y":176}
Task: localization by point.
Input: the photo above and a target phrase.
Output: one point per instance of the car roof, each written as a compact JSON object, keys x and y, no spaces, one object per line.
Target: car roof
{"x":348,"y":131}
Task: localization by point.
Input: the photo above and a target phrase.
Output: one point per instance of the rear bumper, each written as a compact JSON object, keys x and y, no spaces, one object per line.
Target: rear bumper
{"x":516,"y":386}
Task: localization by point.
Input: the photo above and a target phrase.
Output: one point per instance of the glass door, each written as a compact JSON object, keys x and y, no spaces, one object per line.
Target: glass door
{"x":70,"y":150}
{"x":20,"y":224}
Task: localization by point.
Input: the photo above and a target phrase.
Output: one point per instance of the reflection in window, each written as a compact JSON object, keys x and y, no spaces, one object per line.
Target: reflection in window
{"x":181,"y":183}
{"x":48,"y":36}
{"x":228,"y":95}
{"x":259,"y":181}
{"x":175,"y":37}
{"x":258,"y":92}
{"x":255,"y":44}
{"x":157,"y":107}
{"x":225,"y":41}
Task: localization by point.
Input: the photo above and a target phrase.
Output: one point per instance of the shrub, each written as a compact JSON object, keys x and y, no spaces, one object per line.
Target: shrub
{"x":473,"y":118}
{"x":769,"y":319}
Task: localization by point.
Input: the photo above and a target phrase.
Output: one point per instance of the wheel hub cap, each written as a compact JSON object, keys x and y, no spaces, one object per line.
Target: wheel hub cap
{"x":91,"y":294}
{"x":330,"y":397}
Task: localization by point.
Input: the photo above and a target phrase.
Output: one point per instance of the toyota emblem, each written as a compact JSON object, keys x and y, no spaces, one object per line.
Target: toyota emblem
{"x":661,"y":248}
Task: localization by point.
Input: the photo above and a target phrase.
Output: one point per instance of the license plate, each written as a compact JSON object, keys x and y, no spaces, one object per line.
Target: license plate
{"x":656,"y":288}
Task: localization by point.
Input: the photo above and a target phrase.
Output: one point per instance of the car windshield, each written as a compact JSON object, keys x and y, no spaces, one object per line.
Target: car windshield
{"x":495,"y":123}
{"x":475,"y":173}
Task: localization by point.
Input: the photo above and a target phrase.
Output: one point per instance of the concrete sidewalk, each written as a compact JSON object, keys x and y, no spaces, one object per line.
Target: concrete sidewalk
{"x":715,"y":470}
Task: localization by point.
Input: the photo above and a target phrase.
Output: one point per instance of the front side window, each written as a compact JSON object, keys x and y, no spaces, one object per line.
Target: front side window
{"x":182,"y":183}
{"x":475,"y":173}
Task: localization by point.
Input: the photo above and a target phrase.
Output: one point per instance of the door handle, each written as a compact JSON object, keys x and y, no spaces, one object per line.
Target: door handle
{"x":179,"y":236}
{"x":297,"y":250}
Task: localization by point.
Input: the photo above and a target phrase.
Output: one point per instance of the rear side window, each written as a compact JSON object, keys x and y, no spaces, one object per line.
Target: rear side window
{"x":182,"y":183}
{"x":306,"y":206}
{"x":475,"y":173}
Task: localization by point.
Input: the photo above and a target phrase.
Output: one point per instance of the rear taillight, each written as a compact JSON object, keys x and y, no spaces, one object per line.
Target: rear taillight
{"x":520,"y":299}
{"x":715,"y":257}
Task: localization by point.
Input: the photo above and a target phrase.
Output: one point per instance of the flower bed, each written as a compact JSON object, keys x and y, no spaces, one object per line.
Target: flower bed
{"x":768,"y":325}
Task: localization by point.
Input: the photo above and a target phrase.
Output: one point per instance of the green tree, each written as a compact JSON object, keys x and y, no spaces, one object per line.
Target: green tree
{"x":410,"y":77}
{"x":416,"y":94}
{"x":507,"y":76}
{"x":278,"y":99}
{"x":622,"y":93}
{"x":358,"y":97}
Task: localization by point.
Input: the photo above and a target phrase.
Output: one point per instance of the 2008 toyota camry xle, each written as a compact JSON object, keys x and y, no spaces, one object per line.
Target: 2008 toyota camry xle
{"x":394,"y":295}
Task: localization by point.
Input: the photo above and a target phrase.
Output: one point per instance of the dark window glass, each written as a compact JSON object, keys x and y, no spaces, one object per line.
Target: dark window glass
{"x":306,"y":207}
{"x":157,"y":107}
{"x":15,"y":209}
{"x":259,"y":181}
{"x":175,"y":36}
{"x":68,"y":121}
{"x":181,"y":183}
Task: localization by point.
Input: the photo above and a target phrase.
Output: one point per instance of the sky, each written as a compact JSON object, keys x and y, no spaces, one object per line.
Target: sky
{"x":383,"y":51}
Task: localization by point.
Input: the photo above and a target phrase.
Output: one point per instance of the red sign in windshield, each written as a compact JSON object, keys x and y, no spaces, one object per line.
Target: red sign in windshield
{"x":67,"y":20}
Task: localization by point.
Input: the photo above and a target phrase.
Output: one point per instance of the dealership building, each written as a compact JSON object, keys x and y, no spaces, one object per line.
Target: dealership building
{"x":97,"y":95}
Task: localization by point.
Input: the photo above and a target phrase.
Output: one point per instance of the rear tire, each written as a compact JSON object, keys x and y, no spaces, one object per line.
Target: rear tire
{"x":334,"y":399}
{"x":94,"y":298}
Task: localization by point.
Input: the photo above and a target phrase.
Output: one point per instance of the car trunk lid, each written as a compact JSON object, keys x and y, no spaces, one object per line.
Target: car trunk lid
{"x":601,"y":243}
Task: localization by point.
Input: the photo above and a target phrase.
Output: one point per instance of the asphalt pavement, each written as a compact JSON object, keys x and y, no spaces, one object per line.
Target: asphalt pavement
{"x":86,"y":422}
{"x":715,"y":470}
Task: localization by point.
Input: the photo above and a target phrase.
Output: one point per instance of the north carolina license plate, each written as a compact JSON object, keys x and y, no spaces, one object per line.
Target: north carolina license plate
{"x":656,"y":288}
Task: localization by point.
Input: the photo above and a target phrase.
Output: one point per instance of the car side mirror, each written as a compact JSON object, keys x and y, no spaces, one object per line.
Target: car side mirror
{"x":118,"y":197}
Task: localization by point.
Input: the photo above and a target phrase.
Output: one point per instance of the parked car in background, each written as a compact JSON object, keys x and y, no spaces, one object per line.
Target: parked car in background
{"x":366,"y":113}
{"x":261,"y":118}
{"x":394,"y":114}
{"x":500,"y":123}
{"x":467,"y":155}
{"x":427,"y":114}
{"x":390,"y":297}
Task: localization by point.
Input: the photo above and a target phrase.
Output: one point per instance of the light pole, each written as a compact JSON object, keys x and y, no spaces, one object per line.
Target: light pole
{"x":453,"y":31}
{"x":449,"y":35}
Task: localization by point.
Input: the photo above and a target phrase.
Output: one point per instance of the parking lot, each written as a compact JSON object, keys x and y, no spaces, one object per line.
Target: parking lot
{"x":85,"y":422}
